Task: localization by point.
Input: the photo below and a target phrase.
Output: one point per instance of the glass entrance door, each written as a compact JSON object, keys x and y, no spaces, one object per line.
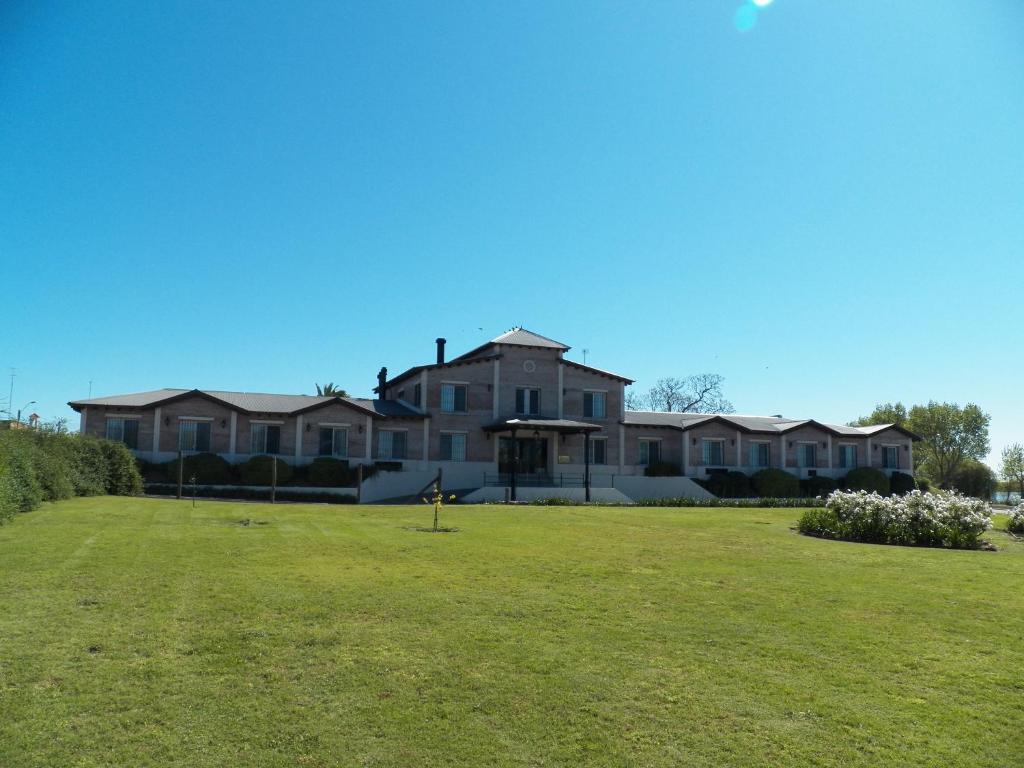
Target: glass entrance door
{"x":533,"y":455}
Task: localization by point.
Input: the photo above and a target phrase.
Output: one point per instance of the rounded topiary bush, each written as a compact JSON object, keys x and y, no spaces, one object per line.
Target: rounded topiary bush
{"x":1015,"y":524}
{"x":662,"y":469}
{"x":775,"y":483}
{"x":729,"y":485}
{"x":866,"y":479}
{"x":123,"y":478}
{"x":901,"y":483}
{"x":208,"y":468}
{"x":257,"y":471}
{"x":817,"y":486}
{"x":325,"y":472}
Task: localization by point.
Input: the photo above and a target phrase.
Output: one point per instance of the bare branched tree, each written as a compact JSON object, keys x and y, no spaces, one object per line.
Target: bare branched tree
{"x":699,"y":393}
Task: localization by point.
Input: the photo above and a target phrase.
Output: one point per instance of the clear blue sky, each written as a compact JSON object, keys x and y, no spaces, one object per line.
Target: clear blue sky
{"x":828,"y":209}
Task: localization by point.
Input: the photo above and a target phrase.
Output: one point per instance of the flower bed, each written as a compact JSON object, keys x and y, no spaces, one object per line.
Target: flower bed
{"x":916,"y":519}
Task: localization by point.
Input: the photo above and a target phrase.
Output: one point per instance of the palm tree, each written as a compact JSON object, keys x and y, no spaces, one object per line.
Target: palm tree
{"x":328,"y":390}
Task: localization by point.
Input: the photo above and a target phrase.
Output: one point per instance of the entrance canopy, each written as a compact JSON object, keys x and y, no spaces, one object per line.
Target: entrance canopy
{"x":562,"y":426}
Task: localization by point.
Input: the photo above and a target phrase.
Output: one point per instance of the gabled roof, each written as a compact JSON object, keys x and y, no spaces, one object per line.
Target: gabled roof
{"x":598,"y":371}
{"x":519,"y":337}
{"x":251,"y":402}
{"x":776,"y":425}
{"x":434,"y":366}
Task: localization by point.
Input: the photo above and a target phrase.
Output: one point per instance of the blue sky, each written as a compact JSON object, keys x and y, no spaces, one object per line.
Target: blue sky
{"x":828,"y":209}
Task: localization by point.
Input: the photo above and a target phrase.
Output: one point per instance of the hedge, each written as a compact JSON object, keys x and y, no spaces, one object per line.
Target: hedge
{"x":731,"y":485}
{"x":250,"y":494}
{"x":259,"y":471}
{"x":38,"y":466}
{"x":326,"y":472}
{"x":866,"y":479}
{"x":775,"y":483}
{"x":208,"y":468}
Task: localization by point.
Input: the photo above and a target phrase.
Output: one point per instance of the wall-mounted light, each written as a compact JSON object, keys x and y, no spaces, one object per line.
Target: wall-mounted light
{"x":906,"y":449}
{"x":309,"y":427}
{"x":874,"y":447}
{"x":695,"y":441}
{"x":790,"y":443}
{"x":733,"y":441}
{"x":360,"y":429}
{"x":167,"y":421}
{"x":223,"y":423}
{"x":824,"y":444}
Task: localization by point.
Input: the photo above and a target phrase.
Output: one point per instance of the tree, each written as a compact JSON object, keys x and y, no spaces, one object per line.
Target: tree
{"x":328,"y":390}
{"x":973,"y":478}
{"x":634,"y":401}
{"x":884,"y":413}
{"x":1012,"y":468}
{"x":950,"y":435}
{"x":700,"y":393}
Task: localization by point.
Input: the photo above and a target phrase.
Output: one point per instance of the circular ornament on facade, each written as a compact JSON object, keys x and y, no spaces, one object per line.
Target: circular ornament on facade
{"x":529,"y":366}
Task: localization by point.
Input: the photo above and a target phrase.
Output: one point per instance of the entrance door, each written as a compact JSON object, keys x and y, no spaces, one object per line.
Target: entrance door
{"x":533,"y":455}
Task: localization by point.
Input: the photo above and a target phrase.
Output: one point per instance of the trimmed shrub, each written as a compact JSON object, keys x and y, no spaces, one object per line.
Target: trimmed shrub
{"x":123,"y":478}
{"x":89,"y":465}
{"x":775,"y":483}
{"x":326,"y":472}
{"x":251,"y":494}
{"x":729,"y":485}
{"x":916,"y":519}
{"x":1015,"y":524}
{"x":901,"y":483}
{"x":661,"y":469}
{"x":866,"y":479}
{"x":258,"y":471}
{"x":208,"y":468}
{"x":817,"y":486}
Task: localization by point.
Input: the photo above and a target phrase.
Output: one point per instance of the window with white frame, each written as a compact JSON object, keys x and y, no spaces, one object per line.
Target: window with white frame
{"x":760,"y":454}
{"x":454,"y":398}
{"x":713,"y":452}
{"x":593,"y":405}
{"x":650,"y":451}
{"x":847,"y":456}
{"x":334,"y":441}
{"x":264,"y":439}
{"x":891,"y":456}
{"x":194,"y":435}
{"x":599,"y":450}
{"x":453,"y":446}
{"x":527,"y":401}
{"x":123,"y":430}
{"x":807,"y":455}
{"x":391,"y":444}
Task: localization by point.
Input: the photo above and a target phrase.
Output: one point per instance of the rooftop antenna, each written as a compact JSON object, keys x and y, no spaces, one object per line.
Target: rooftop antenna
{"x":585,"y":353}
{"x":10,"y":396}
{"x":90,"y":388}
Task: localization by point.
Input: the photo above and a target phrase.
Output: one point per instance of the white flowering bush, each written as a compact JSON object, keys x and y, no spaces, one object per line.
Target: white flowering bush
{"x":915,"y":519}
{"x":1016,"y":522}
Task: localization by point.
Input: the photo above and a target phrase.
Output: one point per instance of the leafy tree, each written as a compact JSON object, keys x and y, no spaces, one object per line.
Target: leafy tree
{"x":973,"y":478}
{"x":328,"y":390}
{"x":950,"y":436}
{"x":1012,"y":468}
{"x":884,"y":413}
{"x":699,"y":393}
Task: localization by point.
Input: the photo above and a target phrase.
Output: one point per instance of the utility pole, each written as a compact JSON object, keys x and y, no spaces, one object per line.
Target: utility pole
{"x":585,"y":353}
{"x":10,"y":396}
{"x":90,"y":389}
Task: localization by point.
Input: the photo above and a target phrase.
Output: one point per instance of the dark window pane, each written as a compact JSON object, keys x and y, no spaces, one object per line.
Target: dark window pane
{"x":273,"y":439}
{"x":398,"y":446}
{"x":203,"y":436}
{"x":588,"y":404}
{"x":655,"y":452}
{"x":446,"y":447}
{"x":131,"y":433}
{"x":520,"y":401}
{"x":460,"y":399}
{"x":326,"y":441}
{"x":534,"y":402}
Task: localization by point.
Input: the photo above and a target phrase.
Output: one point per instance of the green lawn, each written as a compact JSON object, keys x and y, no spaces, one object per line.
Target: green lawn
{"x":142,"y":632}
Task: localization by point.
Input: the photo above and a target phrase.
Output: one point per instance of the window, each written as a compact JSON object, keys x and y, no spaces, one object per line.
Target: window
{"x":650,"y":452}
{"x":527,"y":402}
{"x":453,"y":398}
{"x":124,"y":431}
{"x":760,"y":454}
{"x":593,"y":405}
{"x":391,"y":445}
{"x":807,"y":455}
{"x":453,"y":446}
{"x":848,"y":456}
{"x":417,"y":394}
{"x":891,"y":456}
{"x":598,"y":450}
{"x":334,"y":442}
{"x":714,"y":452}
{"x":194,"y":435}
{"x":266,"y":438}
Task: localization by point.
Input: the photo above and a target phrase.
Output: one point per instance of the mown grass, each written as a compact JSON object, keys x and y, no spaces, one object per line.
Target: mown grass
{"x":140,"y":632}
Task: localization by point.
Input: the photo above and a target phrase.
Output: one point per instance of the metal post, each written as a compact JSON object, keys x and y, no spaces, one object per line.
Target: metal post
{"x":359,"y":484}
{"x":515,"y":464}
{"x":180,"y":468}
{"x":440,"y":470}
{"x":586,"y":464}
{"x":273,"y":480}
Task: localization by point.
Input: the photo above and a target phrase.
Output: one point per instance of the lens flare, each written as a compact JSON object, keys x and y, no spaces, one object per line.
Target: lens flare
{"x":762,"y":3}
{"x":746,"y":17}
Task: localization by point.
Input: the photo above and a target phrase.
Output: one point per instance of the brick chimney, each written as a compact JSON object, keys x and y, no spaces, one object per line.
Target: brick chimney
{"x":440,"y":351}
{"x":382,"y":377}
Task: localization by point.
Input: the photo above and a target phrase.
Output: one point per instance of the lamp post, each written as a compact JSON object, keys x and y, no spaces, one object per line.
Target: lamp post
{"x":26,"y":405}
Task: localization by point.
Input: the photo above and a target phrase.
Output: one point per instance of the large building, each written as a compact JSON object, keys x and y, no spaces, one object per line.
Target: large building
{"x":514,"y":411}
